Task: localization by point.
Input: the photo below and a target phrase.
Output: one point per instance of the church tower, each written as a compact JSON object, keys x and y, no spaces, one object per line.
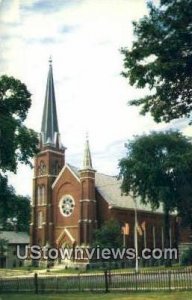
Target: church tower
{"x":47,"y":166}
{"x":87,"y":222}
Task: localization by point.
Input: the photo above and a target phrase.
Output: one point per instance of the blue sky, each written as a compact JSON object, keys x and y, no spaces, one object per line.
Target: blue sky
{"x":84,"y":38}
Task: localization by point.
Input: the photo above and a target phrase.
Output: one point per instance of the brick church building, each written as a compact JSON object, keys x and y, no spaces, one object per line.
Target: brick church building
{"x":70,"y":203}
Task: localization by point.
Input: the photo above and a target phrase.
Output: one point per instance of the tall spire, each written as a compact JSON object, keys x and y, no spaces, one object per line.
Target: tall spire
{"x":87,"y":162}
{"x":49,"y":126}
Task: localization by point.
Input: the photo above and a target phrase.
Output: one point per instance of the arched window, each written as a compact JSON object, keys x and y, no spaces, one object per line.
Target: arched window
{"x":41,"y":199}
{"x":56,"y":167}
{"x":40,"y":219}
{"x":42,"y":168}
{"x":39,"y":195}
{"x":42,"y":194}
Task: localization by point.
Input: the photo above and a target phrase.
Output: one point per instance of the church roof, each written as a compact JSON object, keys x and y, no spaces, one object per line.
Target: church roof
{"x":109,"y":187}
{"x":15,"y":237}
{"x":49,"y":126}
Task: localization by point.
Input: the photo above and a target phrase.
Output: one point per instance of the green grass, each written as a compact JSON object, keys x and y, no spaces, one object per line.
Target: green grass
{"x":110,"y":296}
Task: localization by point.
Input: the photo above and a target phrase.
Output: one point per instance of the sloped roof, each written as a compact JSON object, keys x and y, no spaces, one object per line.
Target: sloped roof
{"x":15,"y":237}
{"x":109,"y":188}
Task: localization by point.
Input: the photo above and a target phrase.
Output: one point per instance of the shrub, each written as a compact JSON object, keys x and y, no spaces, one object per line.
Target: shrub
{"x":186,"y":257}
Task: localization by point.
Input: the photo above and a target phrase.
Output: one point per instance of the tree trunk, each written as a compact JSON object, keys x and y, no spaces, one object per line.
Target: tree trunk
{"x":166,"y":234}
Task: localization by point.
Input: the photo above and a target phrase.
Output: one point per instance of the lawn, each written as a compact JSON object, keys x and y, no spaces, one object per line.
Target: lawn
{"x":111,"y":296}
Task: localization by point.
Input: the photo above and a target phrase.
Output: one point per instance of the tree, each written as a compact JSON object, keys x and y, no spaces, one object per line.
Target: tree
{"x":7,"y":201}
{"x":157,"y":168}
{"x":161,"y":60}
{"x":18,"y":143}
{"x":22,"y":213}
{"x":109,"y":235}
{"x":14,"y":209}
{"x":185,"y":192}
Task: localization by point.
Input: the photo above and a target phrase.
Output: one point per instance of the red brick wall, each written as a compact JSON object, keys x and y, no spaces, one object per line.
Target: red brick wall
{"x":66,"y":185}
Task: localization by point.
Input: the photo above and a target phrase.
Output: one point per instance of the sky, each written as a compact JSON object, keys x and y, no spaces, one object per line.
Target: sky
{"x":84,"y":38}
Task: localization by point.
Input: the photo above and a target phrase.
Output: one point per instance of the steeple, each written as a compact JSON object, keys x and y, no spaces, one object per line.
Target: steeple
{"x":49,"y":126}
{"x":87,"y":162}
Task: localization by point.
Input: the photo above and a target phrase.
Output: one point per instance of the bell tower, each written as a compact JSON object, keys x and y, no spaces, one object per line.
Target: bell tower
{"x":87,"y":222}
{"x":47,"y":166}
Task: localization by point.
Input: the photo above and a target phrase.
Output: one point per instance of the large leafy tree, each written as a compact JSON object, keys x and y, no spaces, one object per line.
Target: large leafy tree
{"x":17,"y":142}
{"x":7,"y":201}
{"x":158,"y":168}
{"x":14,"y":209}
{"x":161,"y":59}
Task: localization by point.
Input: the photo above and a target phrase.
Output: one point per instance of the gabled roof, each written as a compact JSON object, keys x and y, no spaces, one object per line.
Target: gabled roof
{"x":109,"y":188}
{"x":15,"y":237}
{"x":72,"y":169}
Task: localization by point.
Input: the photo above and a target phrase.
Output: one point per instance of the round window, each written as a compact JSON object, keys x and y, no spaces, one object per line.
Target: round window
{"x":67,"y":205}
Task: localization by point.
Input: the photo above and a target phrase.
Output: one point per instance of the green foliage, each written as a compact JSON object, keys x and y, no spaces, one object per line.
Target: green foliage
{"x":14,"y":209}
{"x":18,"y":143}
{"x":3,"y":247}
{"x":109,"y":235}
{"x":158,"y":168}
{"x":161,"y":60}
{"x":155,"y":165}
{"x":7,"y":200}
{"x":22,"y":213}
{"x":186,"y":258}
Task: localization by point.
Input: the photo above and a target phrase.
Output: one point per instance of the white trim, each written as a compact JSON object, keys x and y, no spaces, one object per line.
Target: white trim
{"x":49,"y":150}
{"x":113,"y":206}
{"x":87,"y":177}
{"x":87,"y":200}
{"x":85,"y":220}
{"x":67,"y":233}
{"x":71,"y":226}
{"x":61,"y":227}
{"x":46,"y":175}
{"x":66,"y":166}
{"x":61,"y":203}
{"x":42,"y":205}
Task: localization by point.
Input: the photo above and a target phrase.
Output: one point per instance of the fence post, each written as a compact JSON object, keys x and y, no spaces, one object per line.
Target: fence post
{"x":169,"y":272}
{"x":36,"y":283}
{"x":79,"y":281}
{"x":136,"y":286}
{"x":106,"y":282}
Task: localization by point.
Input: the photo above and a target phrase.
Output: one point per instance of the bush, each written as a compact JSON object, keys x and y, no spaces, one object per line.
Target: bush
{"x":186,"y":258}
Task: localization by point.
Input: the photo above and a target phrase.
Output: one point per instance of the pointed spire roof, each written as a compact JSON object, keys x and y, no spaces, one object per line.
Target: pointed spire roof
{"x":49,"y":126}
{"x":87,"y":162}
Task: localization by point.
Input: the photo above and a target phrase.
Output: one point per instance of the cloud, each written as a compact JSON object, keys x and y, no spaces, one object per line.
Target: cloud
{"x":10,"y":11}
{"x":46,"y":40}
{"x":48,"y":6}
{"x":67,"y":28}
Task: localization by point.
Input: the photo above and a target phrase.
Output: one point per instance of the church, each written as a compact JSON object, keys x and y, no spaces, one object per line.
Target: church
{"x":68,"y":203}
